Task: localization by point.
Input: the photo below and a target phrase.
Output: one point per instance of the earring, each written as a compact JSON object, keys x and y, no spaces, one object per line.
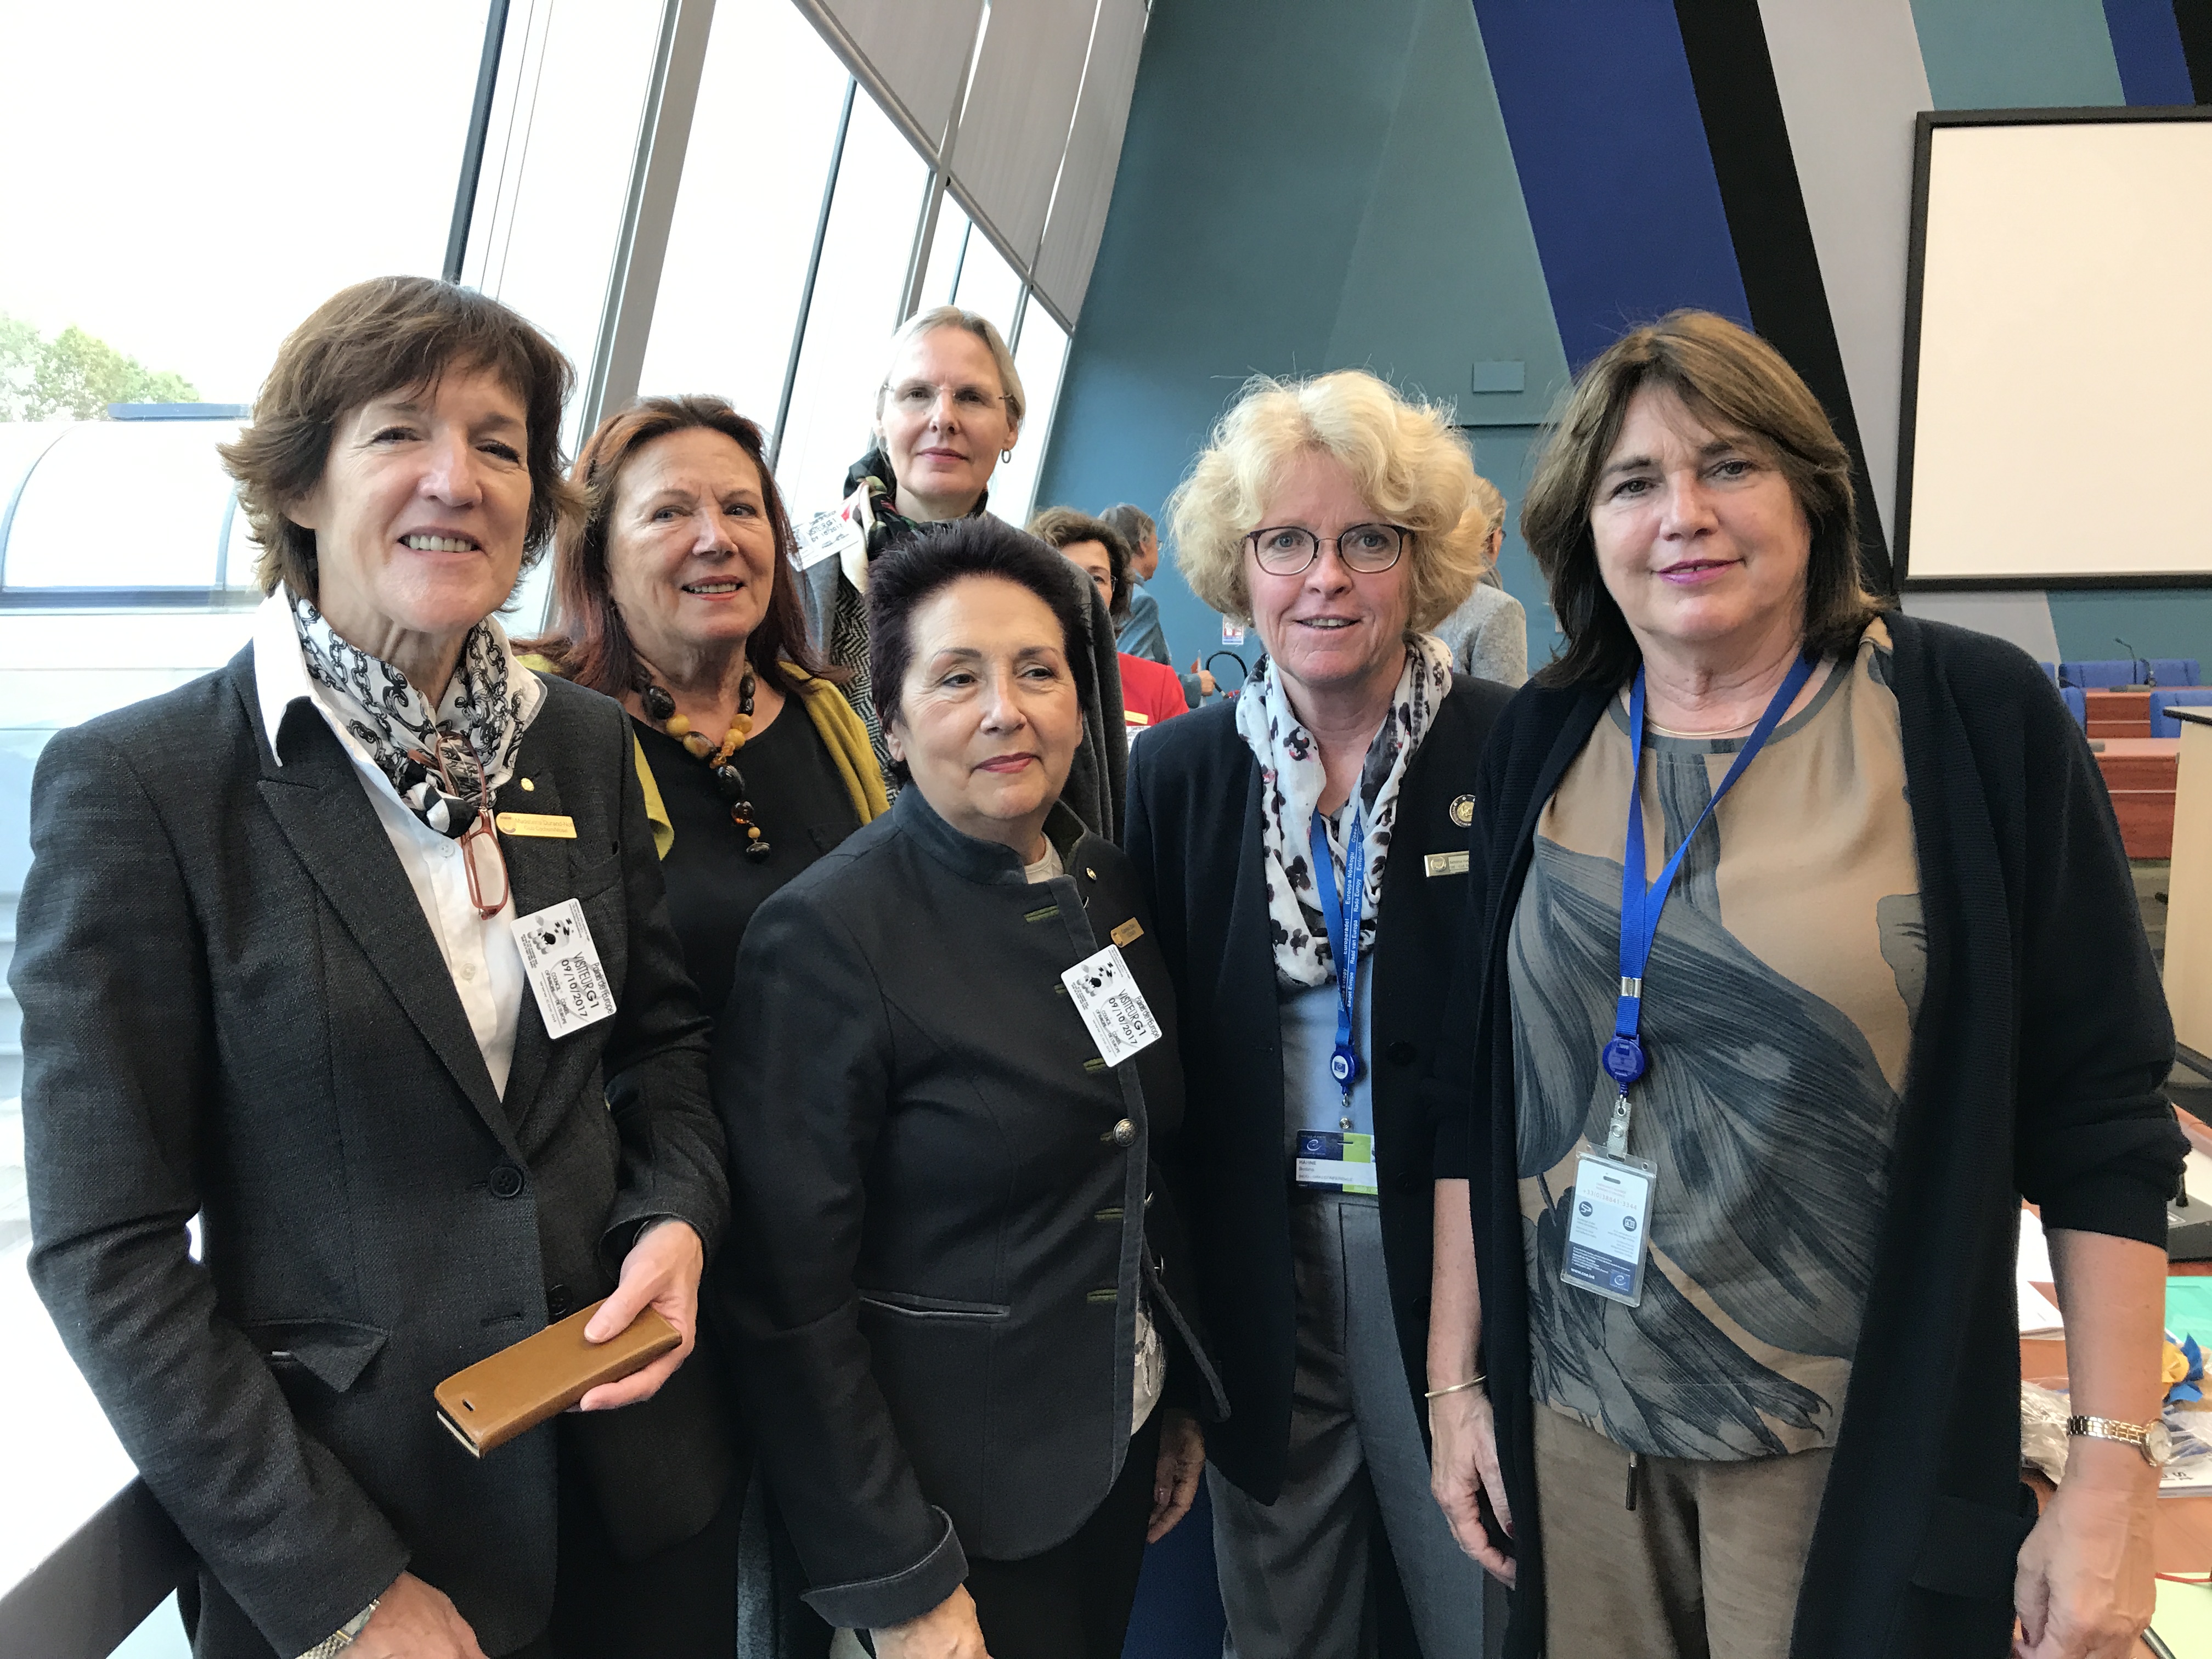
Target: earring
{"x":1005,"y":455}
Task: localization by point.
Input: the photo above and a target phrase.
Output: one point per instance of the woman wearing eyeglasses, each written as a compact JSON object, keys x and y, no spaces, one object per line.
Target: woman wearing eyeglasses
{"x":949,"y":410}
{"x":1341,"y":521}
{"x":356,"y":949}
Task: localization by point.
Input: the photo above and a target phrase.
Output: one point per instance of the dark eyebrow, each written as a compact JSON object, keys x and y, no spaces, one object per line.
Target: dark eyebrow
{"x":1633,"y":464}
{"x":383,"y":407}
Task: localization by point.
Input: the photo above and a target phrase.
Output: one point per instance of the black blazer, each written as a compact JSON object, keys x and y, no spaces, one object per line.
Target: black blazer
{"x":1193,"y":835}
{"x":946,"y":1203}
{"x":232,"y":1006}
{"x":2037,"y":1066}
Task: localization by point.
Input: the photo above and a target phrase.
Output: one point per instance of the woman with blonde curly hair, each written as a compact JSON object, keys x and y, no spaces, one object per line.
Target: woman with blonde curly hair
{"x":1305,"y":849}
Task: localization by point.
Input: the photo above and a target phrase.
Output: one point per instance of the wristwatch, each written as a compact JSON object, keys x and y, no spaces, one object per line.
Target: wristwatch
{"x":2156,"y":1445}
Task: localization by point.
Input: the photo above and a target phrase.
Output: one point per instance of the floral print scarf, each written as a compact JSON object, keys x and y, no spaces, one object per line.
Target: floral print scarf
{"x":475,"y":729}
{"x":1292,"y":779}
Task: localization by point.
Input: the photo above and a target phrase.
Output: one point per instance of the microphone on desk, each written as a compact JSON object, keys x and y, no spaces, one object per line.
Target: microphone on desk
{"x":2150,"y":675}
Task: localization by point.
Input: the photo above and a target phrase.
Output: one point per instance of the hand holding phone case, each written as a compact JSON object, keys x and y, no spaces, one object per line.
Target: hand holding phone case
{"x":515,"y":1390}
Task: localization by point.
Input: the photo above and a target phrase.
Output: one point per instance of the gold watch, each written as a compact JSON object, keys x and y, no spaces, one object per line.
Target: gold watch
{"x":2152,"y":1440}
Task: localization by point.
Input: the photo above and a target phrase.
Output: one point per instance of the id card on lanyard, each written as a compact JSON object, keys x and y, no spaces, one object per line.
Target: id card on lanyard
{"x":1339,"y":1157}
{"x":1609,"y":1221}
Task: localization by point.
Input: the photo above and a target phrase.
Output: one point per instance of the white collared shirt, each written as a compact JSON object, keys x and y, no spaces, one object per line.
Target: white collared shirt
{"x":480,"y":955}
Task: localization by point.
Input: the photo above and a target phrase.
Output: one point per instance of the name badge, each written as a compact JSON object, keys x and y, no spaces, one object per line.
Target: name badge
{"x":1128,"y":932}
{"x":559,"y":825}
{"x":1608,"y":1224}
{"x":1342,"y":1162}
{"x":562,"y":966}
{"x":824,"y":536}
{"x":1446,"y":864}
{"x":1114,"y":1009}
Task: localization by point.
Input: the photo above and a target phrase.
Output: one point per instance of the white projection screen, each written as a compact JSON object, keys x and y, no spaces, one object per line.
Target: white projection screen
{"x":2057,"y":411}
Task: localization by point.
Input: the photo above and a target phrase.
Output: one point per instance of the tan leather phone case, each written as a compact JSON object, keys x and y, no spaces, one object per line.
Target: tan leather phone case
{"x":540,"y":1377}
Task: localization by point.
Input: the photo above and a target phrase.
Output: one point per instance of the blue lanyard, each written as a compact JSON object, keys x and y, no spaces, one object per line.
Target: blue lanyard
{"x":1622,"y":1055}
{"x":1342,"y":919}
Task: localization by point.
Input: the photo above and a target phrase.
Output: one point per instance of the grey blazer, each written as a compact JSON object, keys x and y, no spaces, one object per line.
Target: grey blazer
{"x":233,"y":1006}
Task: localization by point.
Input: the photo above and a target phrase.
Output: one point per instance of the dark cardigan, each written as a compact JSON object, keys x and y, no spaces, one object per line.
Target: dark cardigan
{"x":2035,"y":1069}
{"x":1193,"y":836}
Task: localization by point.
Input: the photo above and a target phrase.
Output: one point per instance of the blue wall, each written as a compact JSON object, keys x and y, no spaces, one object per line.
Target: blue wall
{"x":1270,"y":218}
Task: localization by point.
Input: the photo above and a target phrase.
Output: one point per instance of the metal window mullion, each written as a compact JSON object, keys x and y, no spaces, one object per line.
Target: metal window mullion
{"x":649,"y":210}
{"x":813,"y":269}
{"x":940,"y":178}
{"x":472,"y":152}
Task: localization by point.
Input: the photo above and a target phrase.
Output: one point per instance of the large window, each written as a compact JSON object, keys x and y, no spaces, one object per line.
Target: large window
{"x":856,"y":293}
{"x":157,"y":254}
{"x":771,"y":103}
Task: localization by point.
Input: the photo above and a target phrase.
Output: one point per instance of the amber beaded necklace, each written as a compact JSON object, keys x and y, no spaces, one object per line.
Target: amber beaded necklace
{"x":660,"y":710}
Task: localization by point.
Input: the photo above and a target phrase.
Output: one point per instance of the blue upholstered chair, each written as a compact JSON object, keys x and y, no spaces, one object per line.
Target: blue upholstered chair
{"x":2050,"y":671}
{"x":2163,"y":725}
{"x":2176,"y":671}
{"x":2077,"y":704}
{"x":2102,"y":675}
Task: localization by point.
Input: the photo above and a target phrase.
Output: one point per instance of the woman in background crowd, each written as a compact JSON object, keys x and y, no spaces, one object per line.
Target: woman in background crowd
{"x":956,"y":1286}
{"x":268,"y":961}
{"x":1488,"y":635}
{"x":1749,"y":1169}
{"x":673,"y":594}
{"x":1151,"y":691}
{"x":948,"y":411}
{"x":1305,"y":853}
{"x":1141,"y":635}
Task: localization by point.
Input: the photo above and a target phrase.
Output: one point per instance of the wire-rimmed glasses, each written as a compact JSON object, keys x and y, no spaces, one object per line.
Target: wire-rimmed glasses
{"x":1289,"y":549}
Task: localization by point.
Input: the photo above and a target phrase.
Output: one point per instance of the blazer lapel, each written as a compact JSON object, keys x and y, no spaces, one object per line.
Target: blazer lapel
{"x":538,"y":874}
{"x":318,"y":803}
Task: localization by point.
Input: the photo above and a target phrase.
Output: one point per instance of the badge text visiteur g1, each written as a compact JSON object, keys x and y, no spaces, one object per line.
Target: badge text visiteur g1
{"x":562,"y":966}
{"x":1114,"y":1009}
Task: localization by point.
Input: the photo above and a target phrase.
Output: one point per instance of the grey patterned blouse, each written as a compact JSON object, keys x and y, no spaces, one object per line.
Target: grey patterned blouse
{"x":1778,"y":1009}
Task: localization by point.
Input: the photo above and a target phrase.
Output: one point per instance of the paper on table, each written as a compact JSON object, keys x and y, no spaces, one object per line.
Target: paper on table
{"x":2184,"y":1619}
{"x":2038,"y":1317}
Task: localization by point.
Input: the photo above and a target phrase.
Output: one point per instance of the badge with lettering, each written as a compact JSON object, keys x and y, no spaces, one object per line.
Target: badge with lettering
{"x":562,"y":966}
{"x":1128,"y":932}
{"x":1114,"y":1009}
{"x":559,"y":825}
{"x":824,"y":536}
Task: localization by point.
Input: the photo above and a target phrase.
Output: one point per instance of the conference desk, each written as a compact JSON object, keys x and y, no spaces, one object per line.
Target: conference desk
{"x":2141,"y":774}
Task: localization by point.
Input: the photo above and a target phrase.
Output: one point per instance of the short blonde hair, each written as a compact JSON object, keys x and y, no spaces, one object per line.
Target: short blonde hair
{"x":971,"y":322}
{"x":1406,"y":458}
{"x":1492,"y":500}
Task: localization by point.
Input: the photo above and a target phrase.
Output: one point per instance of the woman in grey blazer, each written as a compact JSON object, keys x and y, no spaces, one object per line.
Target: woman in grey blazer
{"x":355,"y":948}
{"x":956,"y":1284}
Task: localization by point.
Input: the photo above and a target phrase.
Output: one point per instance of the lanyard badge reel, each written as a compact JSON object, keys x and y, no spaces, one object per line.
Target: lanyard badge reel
{"x":1340,"y":1157}
{"x":1608,"y":1223}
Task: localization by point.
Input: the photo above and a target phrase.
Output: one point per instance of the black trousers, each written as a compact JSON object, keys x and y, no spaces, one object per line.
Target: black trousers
{"x":679,"y":1604}
{"x":1074,"y":1601}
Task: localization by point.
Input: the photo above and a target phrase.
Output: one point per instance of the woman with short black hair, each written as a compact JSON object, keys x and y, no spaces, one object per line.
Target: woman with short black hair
{"x":958,"y":1292}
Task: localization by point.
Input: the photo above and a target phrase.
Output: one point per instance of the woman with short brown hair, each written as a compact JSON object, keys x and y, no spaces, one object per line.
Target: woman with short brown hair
{"x":1808,"y":947}
{"x":355,"y":948}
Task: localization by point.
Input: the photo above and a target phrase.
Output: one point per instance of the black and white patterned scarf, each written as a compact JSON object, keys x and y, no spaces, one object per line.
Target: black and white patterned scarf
{"x":1292,"y":779}
{"x":477,"y":728}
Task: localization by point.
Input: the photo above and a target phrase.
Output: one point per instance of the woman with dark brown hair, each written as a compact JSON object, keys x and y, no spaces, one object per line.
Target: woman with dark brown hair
{"x":673,"y":594}
{"x":1809,"y":949}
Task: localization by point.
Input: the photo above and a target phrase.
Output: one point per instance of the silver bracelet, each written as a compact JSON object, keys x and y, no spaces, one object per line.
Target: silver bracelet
{"x":1474,"y":1382}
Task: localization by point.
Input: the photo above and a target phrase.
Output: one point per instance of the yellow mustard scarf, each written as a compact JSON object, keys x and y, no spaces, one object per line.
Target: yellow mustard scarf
{"x":841,"y":734}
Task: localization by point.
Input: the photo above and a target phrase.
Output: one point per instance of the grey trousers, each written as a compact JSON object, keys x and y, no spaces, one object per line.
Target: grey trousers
{"x":1294,"y":1572}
